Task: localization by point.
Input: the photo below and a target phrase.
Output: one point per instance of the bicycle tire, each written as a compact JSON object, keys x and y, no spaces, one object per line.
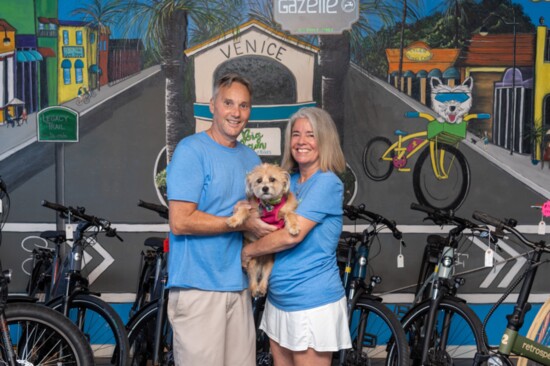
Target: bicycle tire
{"x":374,"y":166}
{"x":382,"y":331}
{"x":141,"y":337}
{"x":40,"y":334}
{"x":430,"y":191}
{"x":464,"y":334}
{"x":539,"y":331}
{"x":78,"y":101}
{"x":102,"y":326}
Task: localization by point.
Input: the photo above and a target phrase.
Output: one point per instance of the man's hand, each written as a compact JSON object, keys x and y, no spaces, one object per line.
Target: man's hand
{"x":256,"y":226}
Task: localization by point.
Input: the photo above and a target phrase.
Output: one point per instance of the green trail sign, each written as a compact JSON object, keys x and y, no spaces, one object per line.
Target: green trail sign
{"x":57,"y":124}
{"x":316,"y":16}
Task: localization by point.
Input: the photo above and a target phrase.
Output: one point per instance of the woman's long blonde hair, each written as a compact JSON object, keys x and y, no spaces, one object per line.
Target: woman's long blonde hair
{"x":331,"y":156}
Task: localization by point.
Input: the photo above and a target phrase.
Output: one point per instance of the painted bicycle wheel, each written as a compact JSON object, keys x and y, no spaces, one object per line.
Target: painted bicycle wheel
{"x":448,"y":189}
{"x":374,"y":166}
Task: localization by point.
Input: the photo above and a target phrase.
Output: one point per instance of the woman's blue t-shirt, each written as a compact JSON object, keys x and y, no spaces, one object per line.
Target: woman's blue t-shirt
{"x":306,"y":276}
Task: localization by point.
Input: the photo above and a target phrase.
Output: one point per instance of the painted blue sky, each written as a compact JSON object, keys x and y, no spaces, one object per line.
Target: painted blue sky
{"x":534,"y":8}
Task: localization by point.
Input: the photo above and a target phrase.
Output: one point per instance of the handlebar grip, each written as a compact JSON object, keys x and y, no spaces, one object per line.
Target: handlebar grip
{"x":426,"y":209}
{"x":411,"y":114}
{"x":161,"y":210}
{"x":487,"y":219}
{"x":54,"y":206}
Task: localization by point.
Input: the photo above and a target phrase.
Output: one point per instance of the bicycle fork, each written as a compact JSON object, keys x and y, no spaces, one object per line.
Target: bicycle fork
{"x":433,"y":340}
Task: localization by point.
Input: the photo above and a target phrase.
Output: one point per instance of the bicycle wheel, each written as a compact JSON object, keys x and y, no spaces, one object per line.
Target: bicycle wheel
{"x":41,"y":336}
{"x":539,"y":332}
{"x":101,"y":325}
{"x":78,"y":101}
{"x":374,"y":330}
{"x":442,"y":193}
{"x":456,"y":337}
{"x":374,"y":166}
{"x":141,"y":334}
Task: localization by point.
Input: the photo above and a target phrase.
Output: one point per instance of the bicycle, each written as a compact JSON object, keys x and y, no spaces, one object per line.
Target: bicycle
{"x":441,"y":328}
{"x":149,"y":331}
{"x":85,"y":97}
{"x":32,"y":334}
{"x":443,"y":180}
{"x":372,"y":325}
{"x":152,"y":264}
{"x":68,"y":290}
{"x":512,"y":343}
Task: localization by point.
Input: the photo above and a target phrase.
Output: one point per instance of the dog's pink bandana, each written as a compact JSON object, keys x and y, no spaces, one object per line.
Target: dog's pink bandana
{"x":269,"y":213}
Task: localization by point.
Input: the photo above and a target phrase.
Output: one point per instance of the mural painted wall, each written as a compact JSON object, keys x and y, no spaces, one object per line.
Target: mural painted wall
{"x":456,"y":85}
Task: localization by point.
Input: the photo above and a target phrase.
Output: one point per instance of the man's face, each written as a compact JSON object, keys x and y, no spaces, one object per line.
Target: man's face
{"x":231,"y":110}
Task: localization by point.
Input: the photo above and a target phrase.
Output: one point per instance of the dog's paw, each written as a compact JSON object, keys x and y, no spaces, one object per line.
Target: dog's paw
{"x":260,"y":291}
{"x":293,"y":228}
{"x":233,"y":221}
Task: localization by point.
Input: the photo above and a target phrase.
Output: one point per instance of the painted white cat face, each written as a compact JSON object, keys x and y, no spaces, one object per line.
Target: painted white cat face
{"x":451,"y":103}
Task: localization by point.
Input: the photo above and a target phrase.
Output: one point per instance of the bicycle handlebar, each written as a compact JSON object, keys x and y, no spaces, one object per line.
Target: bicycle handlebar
{"x":78,"y":214}
{"x":429,"y":117}
{"x":161,"y":210}
{"x":508,"y":225}
{"x":354,"y":213}
{"x":441,"y":217}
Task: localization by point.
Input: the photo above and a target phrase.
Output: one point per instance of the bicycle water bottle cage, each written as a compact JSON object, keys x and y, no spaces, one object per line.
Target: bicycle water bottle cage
{"x":400,"y":133}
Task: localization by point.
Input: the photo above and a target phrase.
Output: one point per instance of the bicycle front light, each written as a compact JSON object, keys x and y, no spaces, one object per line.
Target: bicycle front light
{"x":447,"y":261}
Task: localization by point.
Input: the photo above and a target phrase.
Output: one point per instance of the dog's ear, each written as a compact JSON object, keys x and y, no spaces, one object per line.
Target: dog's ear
{"x":286,"y":182}
{"x":435,"y":81}
{"x":469,"y":83}
{"x":248,"y":183}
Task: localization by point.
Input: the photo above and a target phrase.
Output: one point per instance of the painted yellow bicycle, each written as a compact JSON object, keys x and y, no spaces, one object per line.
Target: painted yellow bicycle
{"x":443,"y":180}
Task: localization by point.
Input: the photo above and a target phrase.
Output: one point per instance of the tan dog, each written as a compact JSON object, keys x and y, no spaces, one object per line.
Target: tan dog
{"x":267,"y":190}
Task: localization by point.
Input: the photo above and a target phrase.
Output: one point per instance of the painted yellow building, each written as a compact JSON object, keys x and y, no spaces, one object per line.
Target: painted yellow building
{"x":76,"y":50}
{"x":541,"y":113}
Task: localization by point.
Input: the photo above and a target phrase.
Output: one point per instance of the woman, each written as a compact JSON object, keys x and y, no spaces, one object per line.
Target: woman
{"x":305,"y":315}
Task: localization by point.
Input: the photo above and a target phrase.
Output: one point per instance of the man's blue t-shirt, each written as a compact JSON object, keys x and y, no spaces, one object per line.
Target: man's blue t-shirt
{"x":306,"y":276}
{"x":212,"y":176}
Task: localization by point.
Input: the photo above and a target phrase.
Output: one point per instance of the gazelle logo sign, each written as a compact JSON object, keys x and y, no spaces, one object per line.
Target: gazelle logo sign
{"x":316,"y":16}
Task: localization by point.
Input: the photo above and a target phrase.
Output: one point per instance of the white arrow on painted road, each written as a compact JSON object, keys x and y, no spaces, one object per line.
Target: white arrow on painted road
{"x":520,"y":261}
{"x":105,"y":263}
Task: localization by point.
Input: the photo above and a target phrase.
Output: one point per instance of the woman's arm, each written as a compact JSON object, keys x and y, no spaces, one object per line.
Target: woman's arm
{"x":277,"y":241}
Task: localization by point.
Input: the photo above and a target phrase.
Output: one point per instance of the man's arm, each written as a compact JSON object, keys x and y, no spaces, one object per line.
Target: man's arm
{"x":186,"y":219}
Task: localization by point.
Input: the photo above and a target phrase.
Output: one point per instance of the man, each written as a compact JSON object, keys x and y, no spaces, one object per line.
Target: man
{"x":209,"y":305}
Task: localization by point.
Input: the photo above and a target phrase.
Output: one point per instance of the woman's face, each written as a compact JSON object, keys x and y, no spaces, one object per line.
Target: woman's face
{"x":303,"y":144}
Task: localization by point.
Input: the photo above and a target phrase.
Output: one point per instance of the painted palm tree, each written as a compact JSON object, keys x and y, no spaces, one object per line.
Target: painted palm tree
{"x":98,"y":14}
{"x":164,"y":26}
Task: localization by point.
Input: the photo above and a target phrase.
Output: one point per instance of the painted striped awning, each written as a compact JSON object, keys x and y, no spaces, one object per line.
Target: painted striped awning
{"x":259,"y":113}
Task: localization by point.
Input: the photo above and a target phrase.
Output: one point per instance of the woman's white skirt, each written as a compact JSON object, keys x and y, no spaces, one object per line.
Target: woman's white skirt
{"x":325,"y":328}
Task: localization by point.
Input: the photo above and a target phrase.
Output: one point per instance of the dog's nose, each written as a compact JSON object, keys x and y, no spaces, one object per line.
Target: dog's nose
{"x":265,"y":189}
{"x":452,"y":108}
